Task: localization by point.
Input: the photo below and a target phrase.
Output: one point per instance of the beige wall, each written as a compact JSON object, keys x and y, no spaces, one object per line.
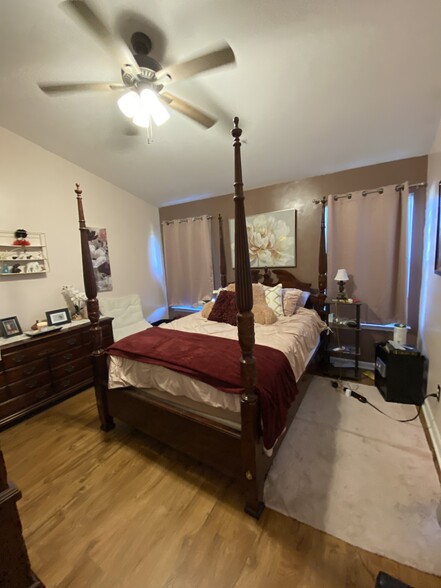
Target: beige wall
{"x":299,"y":195}
{"x":36,"y":193}
{"x":430,"y":307}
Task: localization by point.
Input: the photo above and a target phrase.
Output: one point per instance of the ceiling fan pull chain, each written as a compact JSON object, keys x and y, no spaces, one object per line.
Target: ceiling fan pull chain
{"x":150,"y":130}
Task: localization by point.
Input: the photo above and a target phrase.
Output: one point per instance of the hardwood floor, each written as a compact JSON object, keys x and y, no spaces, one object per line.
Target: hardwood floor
{"x":120,"y":510}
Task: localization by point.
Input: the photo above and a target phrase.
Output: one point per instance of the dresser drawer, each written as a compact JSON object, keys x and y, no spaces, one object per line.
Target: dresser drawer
{"x":83,"y":377}
{"x":69,"y":356}
{"x":2,"y":379}
{"x":24,"y":386}
{"x":4,"y":394}
{"x":25,"y":371}
{"x":24,"y":401}
{"x":71,"y":368}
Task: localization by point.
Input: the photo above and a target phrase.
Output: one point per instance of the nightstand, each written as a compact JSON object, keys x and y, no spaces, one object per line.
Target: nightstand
{"x":344,"y":318}
{"x":179,"y":311}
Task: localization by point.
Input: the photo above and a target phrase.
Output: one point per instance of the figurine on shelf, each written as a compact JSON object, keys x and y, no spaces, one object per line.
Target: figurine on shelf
{"x":33,"y":267}
{"x":16,"y":269}
{"x":5,"y":268}
{"x":20,"y":238}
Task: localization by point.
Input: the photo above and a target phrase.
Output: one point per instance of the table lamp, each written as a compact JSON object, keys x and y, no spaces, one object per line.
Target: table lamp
{"x":341,"y":277}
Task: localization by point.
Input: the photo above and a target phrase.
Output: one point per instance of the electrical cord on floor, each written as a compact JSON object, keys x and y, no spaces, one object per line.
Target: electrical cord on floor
{"x":349,"y":392}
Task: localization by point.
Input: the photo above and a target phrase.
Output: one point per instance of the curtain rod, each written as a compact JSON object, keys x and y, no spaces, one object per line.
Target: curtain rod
{"x":398,"y":187}
{"x":184,"y":220}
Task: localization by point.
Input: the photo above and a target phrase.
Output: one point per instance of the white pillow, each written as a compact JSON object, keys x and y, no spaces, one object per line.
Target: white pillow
{"x":303,"y":298}
{"x":290,"y":300}
{"x":273,"y":297}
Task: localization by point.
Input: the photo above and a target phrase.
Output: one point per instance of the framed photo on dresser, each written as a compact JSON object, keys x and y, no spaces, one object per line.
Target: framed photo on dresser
{"x":10,"y":327}
{"x":58,"y":317}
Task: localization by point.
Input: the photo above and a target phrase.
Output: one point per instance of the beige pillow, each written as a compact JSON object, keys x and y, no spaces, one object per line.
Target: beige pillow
{"x":263,"y":315}
{"x":290,"y":300}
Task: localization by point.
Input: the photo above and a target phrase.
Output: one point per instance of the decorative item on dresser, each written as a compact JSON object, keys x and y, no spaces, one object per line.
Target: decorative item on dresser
{"x":236,"y":449}
{"x":37,"y":371}
{"x":15,"y":568}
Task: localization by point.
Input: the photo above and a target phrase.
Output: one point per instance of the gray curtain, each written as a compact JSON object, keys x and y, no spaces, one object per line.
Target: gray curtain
{"x":367,"y":236}
{"x":188,"y":260}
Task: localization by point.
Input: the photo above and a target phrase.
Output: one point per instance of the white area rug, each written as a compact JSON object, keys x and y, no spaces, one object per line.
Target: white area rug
{"x":347,"y":470}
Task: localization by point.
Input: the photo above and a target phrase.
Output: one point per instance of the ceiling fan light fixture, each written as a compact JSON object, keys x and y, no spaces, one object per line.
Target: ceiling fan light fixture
{"x":130,"y":104}
{"x":151,"y":103}
{"x":142,"y":118}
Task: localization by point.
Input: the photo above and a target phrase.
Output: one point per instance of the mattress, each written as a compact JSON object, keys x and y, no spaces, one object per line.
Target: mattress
{"x":297,"y":337}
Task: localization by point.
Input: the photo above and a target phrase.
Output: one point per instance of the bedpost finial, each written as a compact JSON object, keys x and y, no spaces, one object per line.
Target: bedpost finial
{"x":78,"y":191}
{"x":236,"y":132}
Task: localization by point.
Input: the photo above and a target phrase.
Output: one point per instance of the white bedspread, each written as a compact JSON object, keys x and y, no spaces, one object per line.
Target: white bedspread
{"x":296,"y":336}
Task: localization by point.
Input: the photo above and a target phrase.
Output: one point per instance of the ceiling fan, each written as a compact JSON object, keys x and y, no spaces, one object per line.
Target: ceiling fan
{"x":144,"y":78}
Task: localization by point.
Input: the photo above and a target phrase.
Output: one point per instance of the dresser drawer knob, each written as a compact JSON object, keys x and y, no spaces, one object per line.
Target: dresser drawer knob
{"x":66,"y":383}
{"x":68,"y":356}
{"x":30,"y":370}
{"x":72,"y":341}
{"x":68,"y":369}
{"x":41,"y":394}
{"x":31,"y":385}
{"x":18,"y":358}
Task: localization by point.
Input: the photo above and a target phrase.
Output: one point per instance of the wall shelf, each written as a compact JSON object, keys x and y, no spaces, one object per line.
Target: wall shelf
{"x":23,"y":260}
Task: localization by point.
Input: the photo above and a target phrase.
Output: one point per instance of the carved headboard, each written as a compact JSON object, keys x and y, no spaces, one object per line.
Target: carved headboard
{"x":271,"y":277}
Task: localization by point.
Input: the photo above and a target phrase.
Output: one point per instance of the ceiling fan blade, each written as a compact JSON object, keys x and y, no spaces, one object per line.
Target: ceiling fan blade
{"x":187,"y":109}
{"x":82,"y":12}
{"x":187,"y":69}
{"x":64,"y":88}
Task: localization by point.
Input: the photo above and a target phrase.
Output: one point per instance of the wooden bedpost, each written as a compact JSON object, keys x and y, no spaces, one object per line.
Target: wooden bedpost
{"x":245,"y":324}
{"x":222,"y":260}
{"x":99,"y":360}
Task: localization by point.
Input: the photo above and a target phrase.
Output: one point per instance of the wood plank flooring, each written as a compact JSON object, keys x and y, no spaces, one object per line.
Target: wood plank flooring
{"x":120,"y":510}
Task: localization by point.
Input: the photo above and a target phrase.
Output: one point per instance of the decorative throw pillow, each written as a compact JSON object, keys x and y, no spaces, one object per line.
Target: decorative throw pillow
{"x":224,"y":309}
{"x":273,"y":297}
{"x":290,"y":298}
{"x":263,"y":315}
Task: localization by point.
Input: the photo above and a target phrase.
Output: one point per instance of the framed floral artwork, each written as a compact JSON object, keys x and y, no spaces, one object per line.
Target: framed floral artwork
{"x":271,"y":239}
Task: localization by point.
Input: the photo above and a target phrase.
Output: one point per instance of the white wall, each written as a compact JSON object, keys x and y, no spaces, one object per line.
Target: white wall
{"x":37,"y":194}
{"x":430,"y":306}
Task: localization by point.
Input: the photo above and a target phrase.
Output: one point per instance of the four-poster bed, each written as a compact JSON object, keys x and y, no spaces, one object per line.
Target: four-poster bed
{"x":235,"y":451}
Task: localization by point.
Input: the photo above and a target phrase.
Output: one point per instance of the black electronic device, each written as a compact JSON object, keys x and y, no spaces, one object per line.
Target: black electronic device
{"x":400,"y":373}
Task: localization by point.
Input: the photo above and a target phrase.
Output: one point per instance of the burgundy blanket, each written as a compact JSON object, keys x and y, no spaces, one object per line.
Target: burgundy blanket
{"x":215,"y":360}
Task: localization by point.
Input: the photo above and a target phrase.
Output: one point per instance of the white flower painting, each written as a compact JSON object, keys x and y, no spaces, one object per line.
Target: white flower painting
{"x":271,"y":239}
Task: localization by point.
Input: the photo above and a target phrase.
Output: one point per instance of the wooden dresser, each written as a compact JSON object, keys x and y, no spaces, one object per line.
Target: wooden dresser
{"x":38,"y":371}
{"x":15,"y":569}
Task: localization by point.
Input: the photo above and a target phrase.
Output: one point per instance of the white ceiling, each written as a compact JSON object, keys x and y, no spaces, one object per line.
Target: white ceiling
{"x":319,"y":86}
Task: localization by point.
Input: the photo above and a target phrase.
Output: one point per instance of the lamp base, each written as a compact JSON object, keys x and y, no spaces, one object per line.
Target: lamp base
{"x":341,"y":291}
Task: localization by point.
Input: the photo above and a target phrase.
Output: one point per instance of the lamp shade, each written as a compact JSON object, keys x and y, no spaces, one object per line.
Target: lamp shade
{"x":130,"y":104}
{"x":341,"y":276}
{"x":157,"y":110}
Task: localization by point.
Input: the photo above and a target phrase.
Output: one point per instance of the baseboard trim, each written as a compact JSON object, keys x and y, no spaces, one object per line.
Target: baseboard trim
{"x":434,"y":432}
